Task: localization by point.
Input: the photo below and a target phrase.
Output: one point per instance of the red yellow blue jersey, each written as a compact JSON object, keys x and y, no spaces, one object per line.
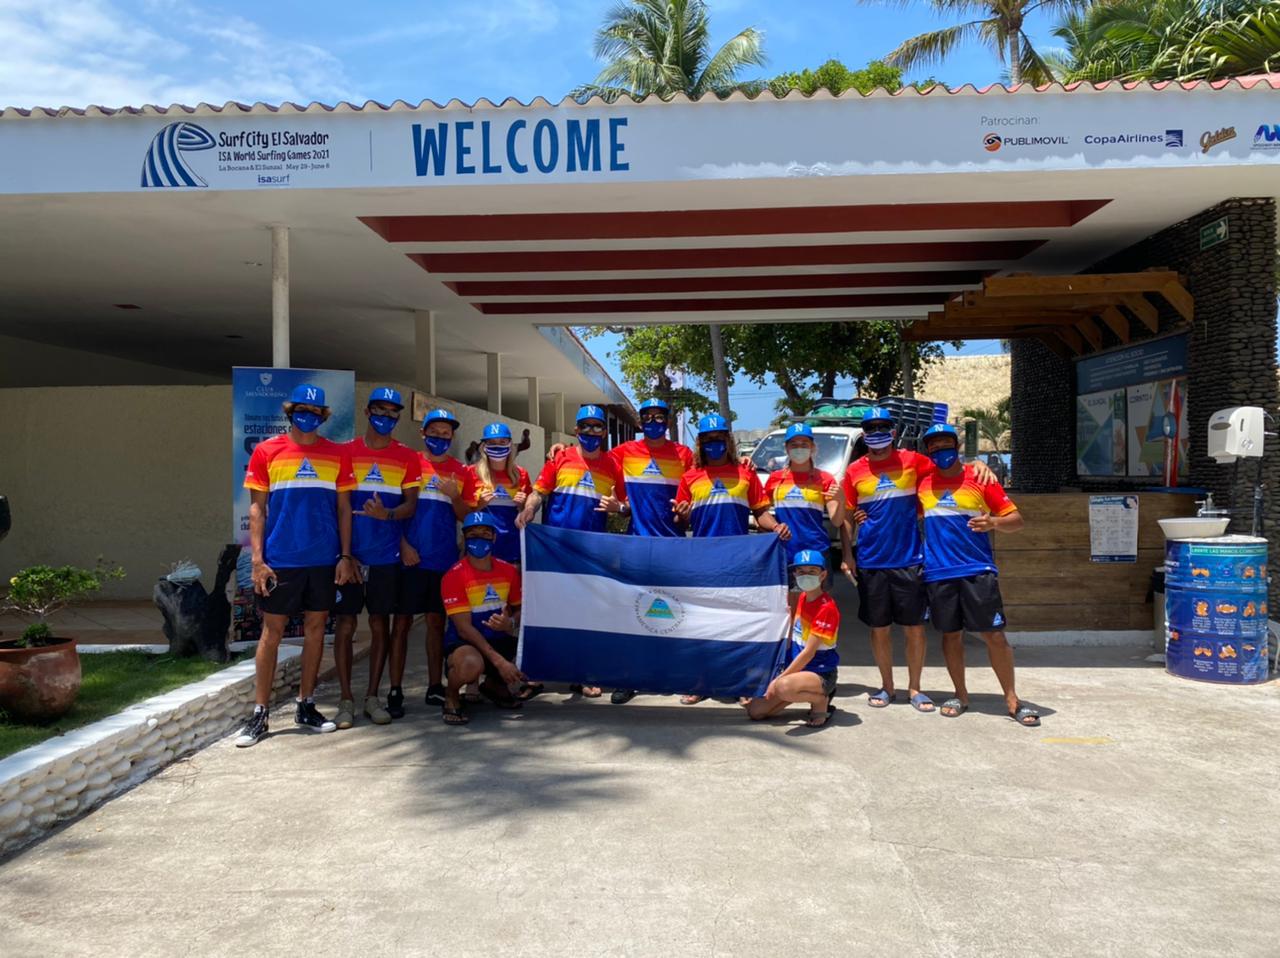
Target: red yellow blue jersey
{"x":506,"y":485}
{"x":886,"y":490}
{"x":721,"y":499}
{"x":387,"y":473}
{"x":302,"y":483}
{"x":466,"y":589}
{"x":799,"y":500}
{"x":573,"y":486}
{"x":433,"y":527}
{"x":652,"y":477}
{"x":819,"y":619}
{"x":951,"y":549}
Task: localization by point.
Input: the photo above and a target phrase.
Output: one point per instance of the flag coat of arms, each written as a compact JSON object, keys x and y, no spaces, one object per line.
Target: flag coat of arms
{"x":702,"y":616}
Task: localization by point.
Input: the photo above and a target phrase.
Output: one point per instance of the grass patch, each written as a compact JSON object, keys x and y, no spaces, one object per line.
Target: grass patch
{"x":112,"y":682}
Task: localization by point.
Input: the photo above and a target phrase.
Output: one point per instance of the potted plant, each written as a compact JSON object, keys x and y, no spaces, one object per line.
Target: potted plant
{"x":40,"y":672}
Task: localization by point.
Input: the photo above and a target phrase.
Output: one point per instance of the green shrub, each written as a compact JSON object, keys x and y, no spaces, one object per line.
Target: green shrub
{"x":40,"y":591}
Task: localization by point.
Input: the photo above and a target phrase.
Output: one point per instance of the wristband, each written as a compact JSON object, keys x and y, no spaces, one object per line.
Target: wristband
{"x":341,"y":557}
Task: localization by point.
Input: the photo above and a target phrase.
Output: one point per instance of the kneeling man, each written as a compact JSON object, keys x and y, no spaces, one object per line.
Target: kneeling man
{"x":960,"y":570}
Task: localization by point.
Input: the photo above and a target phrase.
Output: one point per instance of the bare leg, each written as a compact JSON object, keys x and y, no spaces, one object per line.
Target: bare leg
{"x":915,"y":660}
{"x":265,"y":658}
{"x":465,"y":665}
{"x":882,"y":651}
{"x":378,"y":628}
{"x":953,"y":652}
{"x":396,"y":651}
{"x":1001,"y":654}
{"x":344,"y":629}
{"x":312,"y":651}
{"x":435,"y":647}
{"x":803,"y":687}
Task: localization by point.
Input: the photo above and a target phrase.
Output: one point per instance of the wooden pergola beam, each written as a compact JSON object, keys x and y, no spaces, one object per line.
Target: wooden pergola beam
{"x":975,"y":299}
{"x":924,"y":332}
{"x":1176,"y":295}
{"x":1090,"y":332}
{"x":1116,"y":322}
{"x":1054,"y":345}
{"x":1150,"y":281}
{"x":1142,"y":310}
{"x":1071,"y":338}
{"x":1028,"y":317}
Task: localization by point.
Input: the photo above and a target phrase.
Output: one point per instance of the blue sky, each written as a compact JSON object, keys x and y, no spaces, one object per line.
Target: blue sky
{"x":131,"y":52}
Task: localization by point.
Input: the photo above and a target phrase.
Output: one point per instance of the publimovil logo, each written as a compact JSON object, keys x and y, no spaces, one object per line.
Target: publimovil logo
{"x":991,"y":142}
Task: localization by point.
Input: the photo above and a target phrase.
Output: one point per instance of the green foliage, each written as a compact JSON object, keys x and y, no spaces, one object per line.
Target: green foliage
{"x":993,"y":424}
{"x":654,"y":359}
{"x":663,"y":47}
{"x":40,"y":591}
{"x":37,"y":633}
{"x":837,"y":78}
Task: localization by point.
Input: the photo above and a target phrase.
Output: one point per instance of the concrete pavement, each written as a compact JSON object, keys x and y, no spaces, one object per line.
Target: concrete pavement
{"x":1135,"y":821}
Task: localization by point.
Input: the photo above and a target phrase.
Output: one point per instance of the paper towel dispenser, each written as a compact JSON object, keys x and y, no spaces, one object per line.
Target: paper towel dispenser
{"x":1236,"y":433}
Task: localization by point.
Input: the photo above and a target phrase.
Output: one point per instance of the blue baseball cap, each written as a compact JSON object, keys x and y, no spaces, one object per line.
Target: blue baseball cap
{"x":475,"y":519}
{"x":385,"y":394}
{"x":440,"y":415}
{"x":496,"y":430}
{"x":802,"y":429}
{"x":309,"y":394}
{"x":654,"y":403}
{"x":591,"y":412}
{"x":942,"y":429}
{"x":808,"y":557}
{"x":712,"y":423}
{"x":877,"y":414}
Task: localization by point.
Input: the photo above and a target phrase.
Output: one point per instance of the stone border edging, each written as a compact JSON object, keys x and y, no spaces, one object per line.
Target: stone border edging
{"x":73,"y":773}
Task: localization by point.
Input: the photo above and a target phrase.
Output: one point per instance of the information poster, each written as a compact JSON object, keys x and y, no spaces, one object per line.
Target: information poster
{"x":1100,"y":433}
{"x":1113,"y":528}
{"x":1157,"y":421}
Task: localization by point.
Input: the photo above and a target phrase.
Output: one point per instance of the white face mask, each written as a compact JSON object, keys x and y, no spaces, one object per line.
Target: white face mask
{"x":808,"y":583}
{"x":800,"y":454}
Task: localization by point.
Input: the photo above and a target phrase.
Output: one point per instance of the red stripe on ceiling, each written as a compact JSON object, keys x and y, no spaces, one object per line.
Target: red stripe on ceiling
{"x":874,"y":300}
{"x":563,"y":261}
{"x":462,"y":228}
{"x":476,"y":289}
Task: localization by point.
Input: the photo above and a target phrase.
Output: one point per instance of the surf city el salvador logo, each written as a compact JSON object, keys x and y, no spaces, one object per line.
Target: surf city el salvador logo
{"x":164,"y":164}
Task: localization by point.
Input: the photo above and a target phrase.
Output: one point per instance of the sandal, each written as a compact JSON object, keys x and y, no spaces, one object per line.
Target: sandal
{"x":586,"y":691}
{"x":454,"y":716}
{"x":920,"y":700}
{"x":691,"y":699}
{"x":881,"y":699}
{"x":817,"y":719}
{"x":502,"y":701}
{"x":957,"y":708}
{"x":529,"y":690}
{"x":1026,"y":715}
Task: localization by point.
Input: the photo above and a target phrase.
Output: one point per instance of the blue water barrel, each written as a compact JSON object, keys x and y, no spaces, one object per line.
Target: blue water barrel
{"x":1216,"y":606}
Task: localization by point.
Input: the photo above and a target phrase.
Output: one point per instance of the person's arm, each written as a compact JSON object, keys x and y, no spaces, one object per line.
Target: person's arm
{"x":682,"y":504}
{"x":407,"y":507}
{"x":833,"y":501}
{"x":1010,"y":522}
{"x":262,"y":572}
{"x":769,"y":523}
{"x":409,"y":556}
{"x":530,"y":510}
{"x":471,"y":635}
{"x":348,"y":569}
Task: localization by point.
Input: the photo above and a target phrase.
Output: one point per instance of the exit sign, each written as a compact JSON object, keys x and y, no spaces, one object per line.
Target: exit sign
{"x":1213,"y":233}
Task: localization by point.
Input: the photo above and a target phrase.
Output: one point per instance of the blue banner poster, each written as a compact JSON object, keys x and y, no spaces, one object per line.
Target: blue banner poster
{"x":1100,"y":434}
{"x":257,"y":395}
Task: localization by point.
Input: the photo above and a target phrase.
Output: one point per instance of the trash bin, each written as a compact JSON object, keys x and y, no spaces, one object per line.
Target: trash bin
{"x":1156,"y":593}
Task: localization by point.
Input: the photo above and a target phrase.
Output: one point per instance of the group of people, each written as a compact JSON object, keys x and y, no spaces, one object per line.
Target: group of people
{"x":372,"y":526}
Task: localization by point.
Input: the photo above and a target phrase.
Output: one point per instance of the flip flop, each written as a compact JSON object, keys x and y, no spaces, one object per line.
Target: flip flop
{"x":957,"y":707}
{"x":881,"y":699}
{"x":1024,"y":713}
{"x":818,"y":719}
{"x":507,"y":701}
{"x":920,"y":700}
{"x":529,"y":690}
{"x":454,"y":716}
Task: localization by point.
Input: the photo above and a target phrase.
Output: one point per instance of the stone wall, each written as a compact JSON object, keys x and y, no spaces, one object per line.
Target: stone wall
{"x":69,"y":775}
{"x":1042,"y":417}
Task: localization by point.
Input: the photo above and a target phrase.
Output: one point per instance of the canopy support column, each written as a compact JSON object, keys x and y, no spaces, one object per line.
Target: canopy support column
{"x":535,"y":399}
{"x":424,"y":341}
{"x":495,"y":383}
{"x":280,"y":297}
{"x":722,"y":378}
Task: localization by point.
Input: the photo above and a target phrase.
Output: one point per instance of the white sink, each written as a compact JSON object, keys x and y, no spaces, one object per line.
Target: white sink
{"x":1194,"y":527}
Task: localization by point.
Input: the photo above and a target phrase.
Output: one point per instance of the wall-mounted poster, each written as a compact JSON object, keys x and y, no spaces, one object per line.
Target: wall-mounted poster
{"x":1158,"y":442}
{"x":1100,"y":433}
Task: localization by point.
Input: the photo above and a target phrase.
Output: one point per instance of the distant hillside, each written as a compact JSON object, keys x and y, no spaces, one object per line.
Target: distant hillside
{"x":967,"y":382}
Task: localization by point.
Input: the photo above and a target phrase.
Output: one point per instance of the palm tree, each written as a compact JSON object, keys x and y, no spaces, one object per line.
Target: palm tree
{"x":663,"y":47}
{"x":997,"y":25}
{"x":993,"y":424}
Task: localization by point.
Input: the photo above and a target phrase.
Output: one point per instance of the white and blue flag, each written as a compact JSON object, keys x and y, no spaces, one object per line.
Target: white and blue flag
{"x":661,"y":615}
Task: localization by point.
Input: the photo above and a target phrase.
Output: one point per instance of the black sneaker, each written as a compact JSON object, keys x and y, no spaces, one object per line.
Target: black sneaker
{"x":395,"y":703}
{"x":308,"y":716}
{"x":622,"y":696}
{"x":435,"y":696}
{"x":253,"y":731}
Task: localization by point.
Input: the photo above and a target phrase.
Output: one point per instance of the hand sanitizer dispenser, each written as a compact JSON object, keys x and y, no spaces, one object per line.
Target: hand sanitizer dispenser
{"x":1236,"y":433}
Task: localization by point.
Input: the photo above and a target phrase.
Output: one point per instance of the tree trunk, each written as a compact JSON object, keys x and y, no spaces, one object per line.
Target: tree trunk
{"x":722,"y":376}
{"x":795,"y":398}
{"x":1015,"y":57}
{"x":829,"y":383}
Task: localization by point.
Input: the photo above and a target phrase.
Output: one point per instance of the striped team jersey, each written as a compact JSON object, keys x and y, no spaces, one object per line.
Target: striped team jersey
{"x":502,"y":506}
{"x":387,"y":473}
{"x":723,"y":498}
{"x":652,"y":477}
{"x":951,"y":549}
{"x":302,"y":483}
{"x":890,"y":538}
{"x":819,"y":619}
{"x":797,"y":500}
{"x":433,"y":528}
{"x":575,"y":485}
{"x":465,"y":588}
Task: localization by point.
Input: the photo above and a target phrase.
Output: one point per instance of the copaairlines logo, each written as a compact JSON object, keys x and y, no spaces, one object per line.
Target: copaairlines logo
{"x":164,"y":164}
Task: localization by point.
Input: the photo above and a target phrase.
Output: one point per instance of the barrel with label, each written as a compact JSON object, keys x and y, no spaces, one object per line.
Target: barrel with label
{"x":1216,"y":606}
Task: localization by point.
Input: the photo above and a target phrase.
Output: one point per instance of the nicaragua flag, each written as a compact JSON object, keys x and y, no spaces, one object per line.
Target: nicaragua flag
{"x":702,"y":616}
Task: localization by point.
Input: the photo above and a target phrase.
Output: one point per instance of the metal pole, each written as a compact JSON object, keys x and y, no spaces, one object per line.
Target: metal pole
{"x":722,"y":378}
{"x":280,"y":297}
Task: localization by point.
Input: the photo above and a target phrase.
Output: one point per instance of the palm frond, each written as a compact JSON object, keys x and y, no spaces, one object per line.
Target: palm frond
{"x":931,"y":48}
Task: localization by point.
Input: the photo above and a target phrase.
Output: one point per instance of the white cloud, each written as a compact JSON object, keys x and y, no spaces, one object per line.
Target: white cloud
{"x":473,"y":23}
{"x":106,"y":52}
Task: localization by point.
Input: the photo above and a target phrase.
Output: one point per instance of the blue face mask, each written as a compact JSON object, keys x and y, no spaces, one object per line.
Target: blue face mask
{"x":878,"y":440}
{"x":590,"y":443}
{"x":306,"y":421}
{"x":654,"y":430}
{"x":438,"y":445}
{"x":383,"y":425}
{"x":497,"y":452}
{"x":715,"y":449}
{"x":479,"y":548}
{"x":944,"y":458}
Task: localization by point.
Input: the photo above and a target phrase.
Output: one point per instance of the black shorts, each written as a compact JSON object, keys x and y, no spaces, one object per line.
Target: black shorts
{"x":972,"y":602}
{"x":420,"y":592}
{"x":891,"y":596}
{"x":506,"y":646}
{"x":379,"y":594}
{"x":307,"y":589}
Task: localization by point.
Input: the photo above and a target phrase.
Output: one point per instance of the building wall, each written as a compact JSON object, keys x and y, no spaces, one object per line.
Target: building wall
{"x":27,"y":363}
{"x":141,"y":474}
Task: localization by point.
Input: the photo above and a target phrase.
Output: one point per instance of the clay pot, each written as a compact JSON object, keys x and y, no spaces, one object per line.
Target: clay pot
{"x":39,"y":684}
